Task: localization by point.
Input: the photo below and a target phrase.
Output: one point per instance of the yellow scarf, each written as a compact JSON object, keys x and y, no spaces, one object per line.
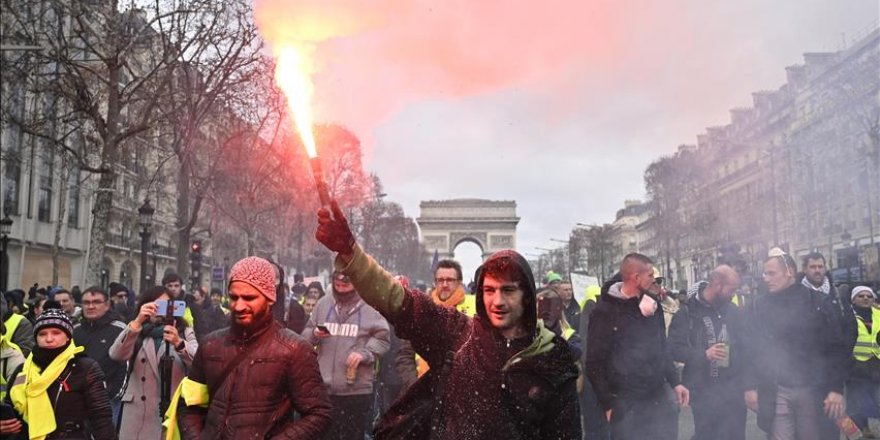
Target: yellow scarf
{"x":30,"y":398}
{"x":455,"y":299}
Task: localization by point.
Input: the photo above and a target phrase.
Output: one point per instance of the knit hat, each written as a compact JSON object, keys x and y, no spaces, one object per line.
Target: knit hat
{"x":54,"y":318}
{"x":258,"y":272}
{"x":859,"y":289}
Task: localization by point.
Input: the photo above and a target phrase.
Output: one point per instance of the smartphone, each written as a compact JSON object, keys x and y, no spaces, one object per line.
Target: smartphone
{"x":162,"y":308}
{"x":323,"y":328}
{"x":7,"y":412}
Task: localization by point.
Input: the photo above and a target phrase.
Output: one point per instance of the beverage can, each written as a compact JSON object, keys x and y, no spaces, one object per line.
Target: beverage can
{"x":724,"y":363}
{"x":351,"y":374}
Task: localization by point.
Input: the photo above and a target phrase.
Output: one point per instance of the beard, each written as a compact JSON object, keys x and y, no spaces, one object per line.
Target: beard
{"x":258,"y":319}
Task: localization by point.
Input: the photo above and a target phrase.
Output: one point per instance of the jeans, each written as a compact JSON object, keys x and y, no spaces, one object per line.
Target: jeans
{"x":863,"y":400}
{"x":798,"y":415}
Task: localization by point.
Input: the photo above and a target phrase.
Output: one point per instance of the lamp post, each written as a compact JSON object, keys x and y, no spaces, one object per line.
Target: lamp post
{"x":155,"y":271}
{"x":145,"y":213}
{"x":5,"y":229}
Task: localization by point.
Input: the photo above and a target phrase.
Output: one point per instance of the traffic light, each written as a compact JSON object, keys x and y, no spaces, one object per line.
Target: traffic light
{"x":195,"y":263}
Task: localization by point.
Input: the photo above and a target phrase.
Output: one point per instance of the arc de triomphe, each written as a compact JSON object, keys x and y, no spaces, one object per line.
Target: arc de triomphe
{"x":490,"y":224}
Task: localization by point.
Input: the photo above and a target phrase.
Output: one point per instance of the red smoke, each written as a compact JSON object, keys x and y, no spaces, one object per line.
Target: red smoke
{"x":374,"y":57}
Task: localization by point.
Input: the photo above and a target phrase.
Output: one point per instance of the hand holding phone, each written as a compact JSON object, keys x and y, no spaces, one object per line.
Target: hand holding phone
{"x":321,"y":331}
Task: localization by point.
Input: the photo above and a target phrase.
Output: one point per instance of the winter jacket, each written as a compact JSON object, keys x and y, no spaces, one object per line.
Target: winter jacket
{"x":793,"y":339}
{"x":81,"y":403}
{"x":689,"y":339}
{"x":140,"y":401}
{"x":626,"y":351}
{"x":97,"y":337}
{"x":296,"y":317}
{"x":354,"y":326}
{"x":258,"y":397}
{"x":492,"y":387}
{"x":844,"y":307}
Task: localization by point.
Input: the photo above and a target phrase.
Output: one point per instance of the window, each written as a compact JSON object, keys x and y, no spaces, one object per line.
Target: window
{"x":73,"y":198}
{"x":46,"y":177}
{"x":11,"y":141}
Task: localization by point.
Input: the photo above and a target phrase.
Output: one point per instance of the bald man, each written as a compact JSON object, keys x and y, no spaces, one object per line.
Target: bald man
{"x":705,"y":335}
{"x":627,"y":361}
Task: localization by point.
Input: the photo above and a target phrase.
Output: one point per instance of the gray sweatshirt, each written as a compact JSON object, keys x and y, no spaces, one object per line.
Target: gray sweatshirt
{"x":354,"y":327}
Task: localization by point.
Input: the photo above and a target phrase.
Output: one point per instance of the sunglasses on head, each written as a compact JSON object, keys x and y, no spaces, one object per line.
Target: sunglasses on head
{"x":342,"y":277}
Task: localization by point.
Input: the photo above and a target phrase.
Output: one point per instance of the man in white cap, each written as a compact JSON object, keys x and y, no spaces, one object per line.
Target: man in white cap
{"x":863,"y":385}
{"x":248,"y":379}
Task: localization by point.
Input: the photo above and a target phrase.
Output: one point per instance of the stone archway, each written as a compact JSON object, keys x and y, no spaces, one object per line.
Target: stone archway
{"x":490,"y":224}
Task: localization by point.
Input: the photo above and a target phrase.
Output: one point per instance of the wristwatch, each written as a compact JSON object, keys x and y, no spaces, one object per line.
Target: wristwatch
{"x":180,"y":346}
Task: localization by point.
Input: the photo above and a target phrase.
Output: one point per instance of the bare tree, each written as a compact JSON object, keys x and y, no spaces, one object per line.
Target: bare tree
{"x":105,"y":71}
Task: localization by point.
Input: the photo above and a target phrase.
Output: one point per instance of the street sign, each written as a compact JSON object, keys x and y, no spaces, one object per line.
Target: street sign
{"x":217,"y":273}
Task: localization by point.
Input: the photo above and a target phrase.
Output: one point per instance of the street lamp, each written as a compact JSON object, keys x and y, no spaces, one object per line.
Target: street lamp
{"x":5,"y":229}
{"x":145,"y":213}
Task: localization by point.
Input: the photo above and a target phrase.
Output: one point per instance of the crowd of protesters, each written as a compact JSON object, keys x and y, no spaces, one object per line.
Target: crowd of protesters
{"x":506,"y":358}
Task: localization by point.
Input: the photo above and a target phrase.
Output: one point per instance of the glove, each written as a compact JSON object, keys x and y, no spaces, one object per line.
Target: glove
{"x":333,"y":231}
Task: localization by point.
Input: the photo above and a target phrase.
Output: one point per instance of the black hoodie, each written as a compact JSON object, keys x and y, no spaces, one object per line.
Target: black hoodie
{"x":488,"y":390}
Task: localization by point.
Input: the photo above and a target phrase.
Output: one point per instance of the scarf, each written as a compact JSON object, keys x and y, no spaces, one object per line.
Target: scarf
{"x":454,"y":300}
{"x":824,"y":288}
{"x":31,"y":398}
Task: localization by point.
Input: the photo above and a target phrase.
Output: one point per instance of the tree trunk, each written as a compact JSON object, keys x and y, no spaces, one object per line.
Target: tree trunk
{"x":62,"y":217}
{"x":183,"y":223}
{"x":100,"y":224}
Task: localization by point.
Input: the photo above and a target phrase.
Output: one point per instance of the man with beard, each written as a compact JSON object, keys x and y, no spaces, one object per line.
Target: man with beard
{"x":350,"y":336}
{"x":798,"y":356}
{"x":448,"y":289}
{"x":499,"y":374}
{"x":706,"y":336}
{"x":248,"y":379}
{"x":627,"y":361}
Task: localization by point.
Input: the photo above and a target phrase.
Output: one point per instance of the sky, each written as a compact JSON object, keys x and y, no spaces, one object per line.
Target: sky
{"x":560,"y":108}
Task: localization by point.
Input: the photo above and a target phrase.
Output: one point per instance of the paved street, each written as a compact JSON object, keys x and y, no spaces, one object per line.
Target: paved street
{"x":686,"y":426}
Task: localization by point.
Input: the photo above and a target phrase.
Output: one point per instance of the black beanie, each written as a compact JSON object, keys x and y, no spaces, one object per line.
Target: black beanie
{"x":54,"y":318}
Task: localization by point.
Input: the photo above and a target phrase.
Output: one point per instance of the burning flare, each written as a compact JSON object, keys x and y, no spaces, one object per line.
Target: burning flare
{"x":293,"y":73}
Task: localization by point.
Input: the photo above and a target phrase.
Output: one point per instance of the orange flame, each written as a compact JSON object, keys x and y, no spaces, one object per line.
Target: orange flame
{"x":294,"y":68}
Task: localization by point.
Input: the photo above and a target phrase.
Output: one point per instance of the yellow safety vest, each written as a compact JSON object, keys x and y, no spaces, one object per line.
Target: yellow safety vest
{"x":193,"y":394}
{"x":566,"y":334}
{"x":10,"y":325}
{"x":469,"y":305}
{"x":866,"y":345}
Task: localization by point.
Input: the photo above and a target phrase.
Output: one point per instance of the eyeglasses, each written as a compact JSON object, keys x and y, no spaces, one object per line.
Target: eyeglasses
{"x":445,"y":280}
{"x":659,"y":281}
{"x":865,"y":295}
{"x":93,"y":303}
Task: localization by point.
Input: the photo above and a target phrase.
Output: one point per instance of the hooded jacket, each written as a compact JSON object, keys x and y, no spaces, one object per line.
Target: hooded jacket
{"x":626,"y":351}
{"x":354,"y":327}
{"x":482,"y":385}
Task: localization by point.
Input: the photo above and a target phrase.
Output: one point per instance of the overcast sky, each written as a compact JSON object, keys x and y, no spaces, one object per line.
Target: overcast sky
{"x":559,"y":108}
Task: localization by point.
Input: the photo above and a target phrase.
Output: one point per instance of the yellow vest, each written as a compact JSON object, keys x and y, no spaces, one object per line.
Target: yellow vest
{"x":866,"y":344}
{"x":10,"y":325}
{"x":469,"y":305}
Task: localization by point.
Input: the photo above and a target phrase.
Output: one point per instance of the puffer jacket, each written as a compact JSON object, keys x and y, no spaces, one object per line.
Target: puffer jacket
{"x":492,"y":388}
{"x":257,"y":399}
{"x":82,"y":407}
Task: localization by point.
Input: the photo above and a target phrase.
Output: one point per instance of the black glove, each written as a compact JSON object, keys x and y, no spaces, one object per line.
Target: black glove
{"x":333,"y":231}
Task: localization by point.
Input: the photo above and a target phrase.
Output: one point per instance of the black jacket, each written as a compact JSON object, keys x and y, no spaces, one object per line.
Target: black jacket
{"x":259,"y":396}
{"x":82,"y":407}
{"x":97,"y":337}
{"x":689,"y":339}
{"x":847,"y":318}
{"x":626,"y":352}
{"x":520,"y":389}
{"x":794,"y":339}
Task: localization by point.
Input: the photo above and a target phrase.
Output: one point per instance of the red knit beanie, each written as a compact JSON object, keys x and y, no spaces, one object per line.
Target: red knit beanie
{"x":258,"y":272}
